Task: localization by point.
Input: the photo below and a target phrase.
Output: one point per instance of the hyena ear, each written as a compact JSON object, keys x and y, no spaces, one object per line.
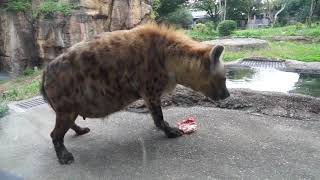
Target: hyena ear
{"x":215,"y":54}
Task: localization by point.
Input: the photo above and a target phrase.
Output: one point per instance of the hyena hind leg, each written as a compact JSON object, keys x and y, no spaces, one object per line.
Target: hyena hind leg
{"x":80,"y":130}
{"x":64,"y":121}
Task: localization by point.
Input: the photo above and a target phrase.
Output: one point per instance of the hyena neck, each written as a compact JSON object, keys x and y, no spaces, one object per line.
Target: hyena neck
{"x":185,"y":63}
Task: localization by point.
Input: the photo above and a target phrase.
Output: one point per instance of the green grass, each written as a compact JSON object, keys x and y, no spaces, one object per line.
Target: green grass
{"x":283,"y":50}
{"x":22,"y":87}
{"x":22,"y":92}
{"x":3,"y":108}
{"x":280,"y":31}
{"x":200,"y":36}
{"x":293,"y":30}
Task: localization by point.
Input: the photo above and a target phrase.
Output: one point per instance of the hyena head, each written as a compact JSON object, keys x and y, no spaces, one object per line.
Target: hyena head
{"x":212,"y":81}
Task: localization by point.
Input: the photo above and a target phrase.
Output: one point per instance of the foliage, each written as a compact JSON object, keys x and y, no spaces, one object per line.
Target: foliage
{"x":18,"y":5}
{"x":210,"y":6}
{"x":181,"y":17}
{"x":3,"y":108}
{"x":22,"y":92}
{"x":155,"y":6}
{"x":225,"y":28}
{"x":28,"y":72}
{"x":284,"y":50}
{"x":203,"y":32}
{"x":50,"y":7}
{"x":21,"y":88}
{"x":168,"y":6}
{"x":299,"y":10}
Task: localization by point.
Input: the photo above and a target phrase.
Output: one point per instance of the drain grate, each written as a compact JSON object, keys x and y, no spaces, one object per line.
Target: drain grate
{"x":31,"y":103}
{"x":264,"y":64}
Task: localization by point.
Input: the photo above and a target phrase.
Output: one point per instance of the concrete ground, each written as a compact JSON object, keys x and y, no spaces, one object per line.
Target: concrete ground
{"x":228,"y":145}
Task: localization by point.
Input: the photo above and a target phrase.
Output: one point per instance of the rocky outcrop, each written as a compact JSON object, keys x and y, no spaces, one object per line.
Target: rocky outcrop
{"x":255,"y":102}
{"x":32,"y":43}
{"x":17,"y":45}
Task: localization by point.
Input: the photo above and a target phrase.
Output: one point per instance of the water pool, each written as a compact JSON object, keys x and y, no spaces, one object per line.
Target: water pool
{"x":267,"y":79}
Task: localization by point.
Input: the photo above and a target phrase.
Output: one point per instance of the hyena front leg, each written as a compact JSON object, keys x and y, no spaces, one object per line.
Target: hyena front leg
{"x":63,"y":123}
{"x":154,"y":106}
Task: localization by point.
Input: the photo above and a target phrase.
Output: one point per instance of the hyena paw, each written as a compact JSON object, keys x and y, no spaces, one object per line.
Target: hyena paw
{"x":82,"y":131}
{"x":65,"y":157}
{"x":173,"y":132}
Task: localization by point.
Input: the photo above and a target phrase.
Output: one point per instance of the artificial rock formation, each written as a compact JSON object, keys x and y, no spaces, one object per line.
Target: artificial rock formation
{"x":31,"y":42}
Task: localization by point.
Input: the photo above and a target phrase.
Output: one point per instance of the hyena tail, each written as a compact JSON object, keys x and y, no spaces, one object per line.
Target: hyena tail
{"x":43,"y":91}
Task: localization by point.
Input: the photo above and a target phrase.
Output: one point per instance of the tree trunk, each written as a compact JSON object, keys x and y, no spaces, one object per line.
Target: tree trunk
{"x":276,"y":15}
{"x":220,"y":9}
{"x":248,"y":21}
{"x":309,"y":21}
{"x":225,"y":10}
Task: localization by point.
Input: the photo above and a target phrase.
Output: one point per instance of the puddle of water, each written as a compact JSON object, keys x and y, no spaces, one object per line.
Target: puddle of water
{"x":261,"y":79}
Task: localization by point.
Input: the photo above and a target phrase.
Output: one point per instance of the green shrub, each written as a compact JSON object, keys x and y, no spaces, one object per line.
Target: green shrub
{"x":203,"y":32}
{"x":225,"y":28}
{"x":18,"y":5}
{"x":155,"y":6}
{"x":28,"y":72}
{"x":50,"y":7}
{"x":299,"y":26}
{"x":3,"y":109}
{"x":200,"y":28}
{"x":181,"y":17}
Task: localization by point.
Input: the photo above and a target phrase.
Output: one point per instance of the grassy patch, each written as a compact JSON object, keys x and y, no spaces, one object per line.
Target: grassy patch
{"x":3,"y":109}
{"x":293,"y":30}
{"x":202,"y":36}
{"x":283,"y":50}
{"x":20,"y":88}
{"x":279,"y":31}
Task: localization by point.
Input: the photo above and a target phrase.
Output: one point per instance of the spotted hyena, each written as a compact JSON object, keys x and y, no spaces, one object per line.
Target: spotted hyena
{"x":101,"y":76}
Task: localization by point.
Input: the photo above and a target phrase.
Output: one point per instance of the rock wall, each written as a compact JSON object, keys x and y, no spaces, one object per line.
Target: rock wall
{"x":24,"y":42}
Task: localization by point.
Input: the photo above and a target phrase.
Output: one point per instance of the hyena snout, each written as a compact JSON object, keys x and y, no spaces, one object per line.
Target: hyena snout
{"x":220,"y":94}
{"x":224,"y":94}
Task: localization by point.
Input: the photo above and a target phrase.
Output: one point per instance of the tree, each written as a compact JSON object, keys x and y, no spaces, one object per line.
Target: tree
{"x":167,"y":6}
{"x":275,"y":7}
{"x":212,"y":7}
{"x":181,"y":17}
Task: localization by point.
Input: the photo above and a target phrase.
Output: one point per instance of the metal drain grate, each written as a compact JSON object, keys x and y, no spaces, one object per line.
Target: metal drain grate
{"x":264,"y":64}
{"x":31,"y":103}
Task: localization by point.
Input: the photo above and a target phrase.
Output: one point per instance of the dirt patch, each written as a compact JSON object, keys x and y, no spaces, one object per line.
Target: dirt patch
{"x":275,"y":104}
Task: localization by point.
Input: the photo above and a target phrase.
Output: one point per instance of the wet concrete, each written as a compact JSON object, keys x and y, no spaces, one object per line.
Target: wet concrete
{"x":228,"y":144}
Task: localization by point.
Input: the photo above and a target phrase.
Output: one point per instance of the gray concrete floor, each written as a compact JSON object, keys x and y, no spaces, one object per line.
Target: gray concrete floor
{"x":227,"y":145}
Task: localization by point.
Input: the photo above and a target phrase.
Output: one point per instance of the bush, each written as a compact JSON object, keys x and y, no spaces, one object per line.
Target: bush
{"x":28,"y":72}
{"x":50,"y":7}
{"x":299,"y":26}
{"x":181,"y":17}
{"x":203,"y":32}
{"x":18,"y":5}
{"x":3,"y":109}
{"x":155,"y":6}
{"x":225,"y":28}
